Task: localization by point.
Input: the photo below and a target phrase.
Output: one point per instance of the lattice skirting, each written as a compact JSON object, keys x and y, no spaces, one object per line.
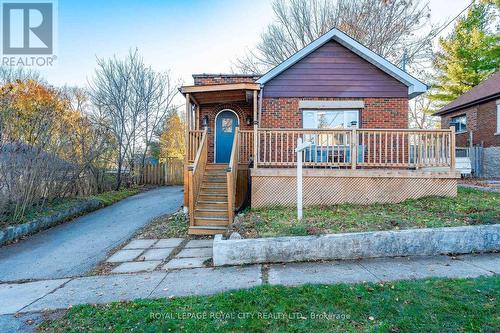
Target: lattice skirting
{"x":323,"y":190}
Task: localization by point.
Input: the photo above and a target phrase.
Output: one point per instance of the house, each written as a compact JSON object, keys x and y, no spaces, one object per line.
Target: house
{"x":347,"y":101}
{"x":476,"y":116}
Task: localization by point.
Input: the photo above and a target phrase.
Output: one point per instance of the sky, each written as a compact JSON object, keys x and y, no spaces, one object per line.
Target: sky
{"x":185,"y":37}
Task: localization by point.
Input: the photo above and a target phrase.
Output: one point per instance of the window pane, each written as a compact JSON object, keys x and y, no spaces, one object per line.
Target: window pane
{"x":309,"y":119}
{"x":349,"y":117}
{"x":227,"y":125}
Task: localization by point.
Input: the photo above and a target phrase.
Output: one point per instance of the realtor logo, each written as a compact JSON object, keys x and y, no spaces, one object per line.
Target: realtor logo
{"x":27,"y":28}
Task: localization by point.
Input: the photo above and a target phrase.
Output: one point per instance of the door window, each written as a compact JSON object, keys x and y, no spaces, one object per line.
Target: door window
{"x":227,"y":125}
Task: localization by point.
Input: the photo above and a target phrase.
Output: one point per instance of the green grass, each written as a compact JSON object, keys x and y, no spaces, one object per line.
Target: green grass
{"x":59,"y":205}
{"x":433,"y":305}
{"x":110,"y":197}
{"x":470,"y":207}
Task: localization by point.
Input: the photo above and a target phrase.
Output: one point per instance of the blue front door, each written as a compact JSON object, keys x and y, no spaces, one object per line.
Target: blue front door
{"x":225,"y":125}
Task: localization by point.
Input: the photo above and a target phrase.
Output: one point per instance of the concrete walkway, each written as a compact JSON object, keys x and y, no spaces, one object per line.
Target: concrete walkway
{"x":76,"y":247}
{"x":33,"y":297}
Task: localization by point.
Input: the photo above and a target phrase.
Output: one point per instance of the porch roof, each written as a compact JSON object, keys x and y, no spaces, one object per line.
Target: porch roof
{"x":220,"y":93}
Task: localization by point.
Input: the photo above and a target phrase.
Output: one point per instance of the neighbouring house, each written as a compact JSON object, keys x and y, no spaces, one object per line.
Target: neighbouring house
{"x":348,"y":102}
{"x":476,"y":117}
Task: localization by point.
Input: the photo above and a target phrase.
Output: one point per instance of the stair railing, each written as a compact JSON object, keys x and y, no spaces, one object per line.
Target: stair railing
{"x":195,"y":174}
{"x":232,"y":176}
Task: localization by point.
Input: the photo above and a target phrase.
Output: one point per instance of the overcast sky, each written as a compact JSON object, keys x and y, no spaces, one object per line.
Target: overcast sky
{"x":185,"y":37}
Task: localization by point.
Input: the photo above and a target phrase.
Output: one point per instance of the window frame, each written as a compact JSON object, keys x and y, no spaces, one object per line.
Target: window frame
{"x":316,"y":111}
{"x":460,"y":116}
{"x":498,"y":117}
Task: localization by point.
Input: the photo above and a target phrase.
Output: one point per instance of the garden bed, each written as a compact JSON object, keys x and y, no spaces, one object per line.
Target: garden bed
{"x":469,"y":207}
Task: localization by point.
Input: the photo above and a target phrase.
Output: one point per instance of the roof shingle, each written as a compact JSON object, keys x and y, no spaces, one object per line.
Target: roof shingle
{"x":488,"y":88}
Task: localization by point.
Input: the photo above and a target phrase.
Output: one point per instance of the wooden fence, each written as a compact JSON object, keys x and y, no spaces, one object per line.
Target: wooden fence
{"x":169,"y":173}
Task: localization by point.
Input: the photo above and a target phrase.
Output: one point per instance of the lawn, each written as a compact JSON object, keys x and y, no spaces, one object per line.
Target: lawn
{"x":432,"y":305}
{"x":470,"y":207}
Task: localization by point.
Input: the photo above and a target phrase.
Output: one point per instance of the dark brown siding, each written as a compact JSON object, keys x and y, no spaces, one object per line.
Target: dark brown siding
{"x":334,"y":71}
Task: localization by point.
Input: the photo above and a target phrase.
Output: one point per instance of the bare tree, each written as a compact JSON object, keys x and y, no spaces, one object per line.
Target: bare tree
{"x":135,"y":99}
{"x":399,"y":30}
{"x":11,"y":74}
{"x":420,"y":113}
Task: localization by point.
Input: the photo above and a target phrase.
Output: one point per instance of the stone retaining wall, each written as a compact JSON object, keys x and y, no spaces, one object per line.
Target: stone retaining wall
{"x":413,"y":242}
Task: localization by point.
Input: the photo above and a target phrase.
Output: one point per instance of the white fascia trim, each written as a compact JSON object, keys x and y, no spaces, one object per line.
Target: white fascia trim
{"x":331,"y":104}
{"x":415,"y":87}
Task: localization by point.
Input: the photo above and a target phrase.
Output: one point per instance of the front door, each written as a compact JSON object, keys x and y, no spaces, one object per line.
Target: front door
{"x":225,"y":125}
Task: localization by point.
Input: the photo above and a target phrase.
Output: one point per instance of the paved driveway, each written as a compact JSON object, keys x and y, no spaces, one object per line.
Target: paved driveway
{"x":74,"y":248}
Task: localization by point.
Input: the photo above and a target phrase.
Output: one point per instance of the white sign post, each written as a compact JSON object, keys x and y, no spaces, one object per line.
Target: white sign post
{"x":300,"y":147}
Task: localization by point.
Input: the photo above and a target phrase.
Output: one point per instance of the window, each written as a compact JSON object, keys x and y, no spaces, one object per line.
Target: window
{"x":227,"y":125}
{"x":329,"y":119}
{"x":460,"y":123}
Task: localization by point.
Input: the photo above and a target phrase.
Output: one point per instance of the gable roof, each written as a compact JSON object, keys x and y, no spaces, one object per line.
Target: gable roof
{"x":415,"y":87}
{"x":488,"y":89}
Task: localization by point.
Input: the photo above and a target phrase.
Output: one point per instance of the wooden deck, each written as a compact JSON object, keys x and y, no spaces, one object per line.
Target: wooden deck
{"x":350,"y":165}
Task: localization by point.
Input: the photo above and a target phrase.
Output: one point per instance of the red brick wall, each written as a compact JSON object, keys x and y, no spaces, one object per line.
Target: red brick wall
{"x":481,"y":120}
{"x":207,"y":79}
{"x":242,"y":110}
{"x":284,"y":112}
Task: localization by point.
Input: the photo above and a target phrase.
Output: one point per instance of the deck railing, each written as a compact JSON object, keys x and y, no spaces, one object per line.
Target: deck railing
{"x":246,"y":146}
{"x":196,"y":172}
{"x":194,"y":140}
{"x":232,"y":176}
{"x":335,"y":148}
{"x":358,"y":148}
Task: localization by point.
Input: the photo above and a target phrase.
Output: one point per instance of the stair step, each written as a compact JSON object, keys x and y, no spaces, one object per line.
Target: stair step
{"x":218,"y":221}
{"x":202,"y":213}
{"x":211,"y":202}
{"x":206,"y":230}
{"x":212,"y":195}
{"x":211,"y":206}
{"x":216,"y":166}
{"x":214,"y":187}
{"x":212,"y":210}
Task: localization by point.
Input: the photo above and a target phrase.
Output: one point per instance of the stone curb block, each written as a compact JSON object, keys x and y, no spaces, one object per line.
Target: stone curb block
{"x":413,"y":242}
{"x":17,"y":231}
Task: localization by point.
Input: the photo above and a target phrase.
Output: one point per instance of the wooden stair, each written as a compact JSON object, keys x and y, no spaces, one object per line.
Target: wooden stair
{"x":210,"y":213}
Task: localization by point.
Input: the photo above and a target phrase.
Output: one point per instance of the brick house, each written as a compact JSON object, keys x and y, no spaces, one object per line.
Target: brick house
{"x":347,"y":102}
{"x":476,"y":116}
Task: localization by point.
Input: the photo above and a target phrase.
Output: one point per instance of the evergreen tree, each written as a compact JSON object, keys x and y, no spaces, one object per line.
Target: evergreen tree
{"x":469,"y":55}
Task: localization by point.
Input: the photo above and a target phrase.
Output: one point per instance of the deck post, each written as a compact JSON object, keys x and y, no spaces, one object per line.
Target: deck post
{"x":255,"y":129}
{"x":354,"y":148}
{"x":452,"y":148}
{"x":186,"y":173}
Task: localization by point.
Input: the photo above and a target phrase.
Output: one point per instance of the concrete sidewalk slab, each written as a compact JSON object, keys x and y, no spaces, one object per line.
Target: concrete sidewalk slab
{"x":390,"y":269}
{"x":136,"y":266}
{"x":195,"y":252}
{"x":486,"y":261}
{"x":140,"y":244}
{"x":168,"y":242}
{"x":124,"y":255}
{"x":100,"y":289}
{"x":14,"y":297}
{"x":319,"y":272}
{"x":205,"y":281}
{"x":157,"y":254}
{"x":178,"y":263}
{"x":200,"y":243}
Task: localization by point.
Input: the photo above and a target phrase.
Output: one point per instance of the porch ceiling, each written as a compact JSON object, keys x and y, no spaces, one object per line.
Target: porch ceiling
{"x":220,"y":93}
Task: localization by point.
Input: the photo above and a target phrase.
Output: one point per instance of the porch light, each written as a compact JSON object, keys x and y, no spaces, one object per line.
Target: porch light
{"x":205,"y":121}
{"x":249,"y":120}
